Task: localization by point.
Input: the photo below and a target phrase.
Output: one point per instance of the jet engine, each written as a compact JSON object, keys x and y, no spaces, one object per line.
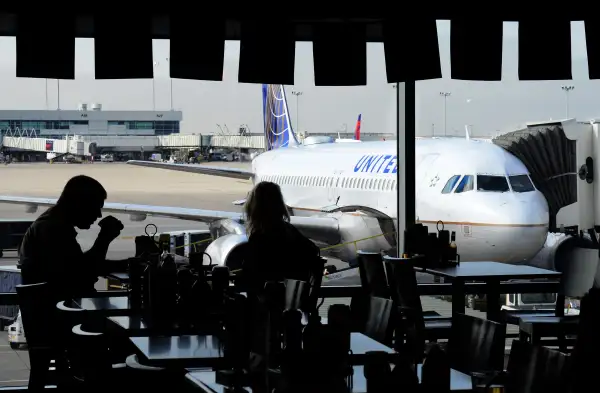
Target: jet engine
{"x":228,"y":247}
{"x":360,"y":230}
{"x":227,"y":250}
{"x":573,"y":254}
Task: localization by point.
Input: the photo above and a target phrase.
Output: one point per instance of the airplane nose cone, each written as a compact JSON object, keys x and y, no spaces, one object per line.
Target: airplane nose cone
{"x":533,"y":209}
{"x":527,"y":221}
{"x":523,"y":210}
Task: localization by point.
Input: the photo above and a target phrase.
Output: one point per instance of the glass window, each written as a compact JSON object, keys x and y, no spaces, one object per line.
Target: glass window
{"x":492,"y":183}
{"x":521,"y":183}
{"x":537,"y":298}
{"x":450,"y":184}
{"x":466,"y":184}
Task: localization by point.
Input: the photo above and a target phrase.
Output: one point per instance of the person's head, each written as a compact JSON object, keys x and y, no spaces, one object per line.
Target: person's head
{"x":265,"y":208}
{"x":82,"y":199}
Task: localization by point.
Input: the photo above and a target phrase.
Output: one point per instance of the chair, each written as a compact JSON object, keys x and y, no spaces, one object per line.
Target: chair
{"x":476,"y":345}
{"x":380,"y":320}
{"x":535,"y":369}
{"x":317,"y":269}
{"x":535,"y":325}
{"x":577,"y":278}
{"x":97,"y":370}
{"x":296,"y":294}
{"x":404,"y":290}
{"x":67,"y":318}
{"x":237,"y":333}
{"x":372,"y":274}
{"x":145,"y":377}
{"x":427,"y":314}
{"x":587,"y":345}
{"x":38,"y":309}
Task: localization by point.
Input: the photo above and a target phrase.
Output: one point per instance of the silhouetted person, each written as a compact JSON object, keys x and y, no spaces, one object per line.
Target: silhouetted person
{"x":276,"y":250}
{"x":50,"y":251}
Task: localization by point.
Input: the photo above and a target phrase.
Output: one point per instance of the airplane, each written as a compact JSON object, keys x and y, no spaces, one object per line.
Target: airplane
{"x":339,"y":193}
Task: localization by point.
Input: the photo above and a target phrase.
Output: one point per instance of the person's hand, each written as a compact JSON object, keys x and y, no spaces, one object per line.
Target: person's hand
{"x":110,"y":228}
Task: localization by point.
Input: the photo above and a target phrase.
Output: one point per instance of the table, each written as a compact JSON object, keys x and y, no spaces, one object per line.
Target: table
{"x":459,"y":382}
{"x":492,"y":273}
{"x":533,"y":328}
{"x":109,"y":306}
{"x":138,"y":326}
{"x":180,"y":351}
{"x":207,"y":350}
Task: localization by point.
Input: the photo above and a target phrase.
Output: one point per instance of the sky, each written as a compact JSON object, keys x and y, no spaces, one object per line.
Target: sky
{"x":486,"y":107}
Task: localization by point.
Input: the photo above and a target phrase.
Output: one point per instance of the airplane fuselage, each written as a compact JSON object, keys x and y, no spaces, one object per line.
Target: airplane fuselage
{"x":491,"y":222}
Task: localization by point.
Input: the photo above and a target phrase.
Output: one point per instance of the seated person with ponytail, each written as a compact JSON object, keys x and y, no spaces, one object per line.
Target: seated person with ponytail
{"x":276,"y":250}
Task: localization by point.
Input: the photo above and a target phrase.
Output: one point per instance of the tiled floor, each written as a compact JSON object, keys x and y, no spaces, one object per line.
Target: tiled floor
{"x":14,"y":364}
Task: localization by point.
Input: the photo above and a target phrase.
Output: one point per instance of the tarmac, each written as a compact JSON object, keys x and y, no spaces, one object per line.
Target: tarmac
{"x":124,"y":183}
{"x":127,"y":183}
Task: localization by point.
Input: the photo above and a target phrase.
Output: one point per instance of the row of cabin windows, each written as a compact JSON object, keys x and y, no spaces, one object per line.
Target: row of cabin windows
{"x":328,"y":181}
{"x":488,"y":183}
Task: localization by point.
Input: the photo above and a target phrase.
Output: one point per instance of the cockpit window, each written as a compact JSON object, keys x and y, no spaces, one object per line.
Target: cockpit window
{"x":521,"y":183}
{"x":466,"y":184}
{"x":450,"y":184}
{"x":492,"y":183}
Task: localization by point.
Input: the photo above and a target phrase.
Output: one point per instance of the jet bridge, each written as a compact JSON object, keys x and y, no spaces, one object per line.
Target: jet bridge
{"x":73,"y":145}
{"x":562,"y":158}
{"x":554,"y":152}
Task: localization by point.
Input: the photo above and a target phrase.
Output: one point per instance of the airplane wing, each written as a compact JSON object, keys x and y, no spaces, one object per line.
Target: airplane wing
{"x":323,"y":229}
{"x":236,"y":173}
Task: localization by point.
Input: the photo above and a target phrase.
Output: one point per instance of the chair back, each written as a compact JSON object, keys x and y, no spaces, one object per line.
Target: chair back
{"x":93,"y":357}
{"x":238,"y":329}
{"x":404,"y":291}
{"x":476,"y":345}
{"x":317,"y":269}
{"x":296,"y":294}
{"x":533,"y":369}
{"x":38,"y":312}
{"x":372,"y":274}
{"x":587,"y":346}
{"x":380,"y":320}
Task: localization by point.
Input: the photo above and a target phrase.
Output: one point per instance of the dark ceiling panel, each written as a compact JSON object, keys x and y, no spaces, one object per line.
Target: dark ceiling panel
{"x":544,"y":50}
{"x":411,"y":50}
{"x":476,"y":49}
{"x":123,"y":46}
{"x":267,"y":52}
{"x":340,"y":54}
{"x":123,"y":43}
{"x":46,"y":46}
{"x":197,"y":49}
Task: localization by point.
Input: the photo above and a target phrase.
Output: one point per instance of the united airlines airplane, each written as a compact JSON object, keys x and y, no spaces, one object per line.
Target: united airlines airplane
{"x":342,"y":192}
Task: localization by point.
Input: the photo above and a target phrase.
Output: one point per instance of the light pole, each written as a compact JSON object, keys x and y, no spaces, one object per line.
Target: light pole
{"x":567,"y":89}
{"x":153,"y":88}
{"x":297,"y":94}
{"x":47,"y":94}
{"x":171,"y":82}
{"x":445,"y":95}
{"x":58,"y":94}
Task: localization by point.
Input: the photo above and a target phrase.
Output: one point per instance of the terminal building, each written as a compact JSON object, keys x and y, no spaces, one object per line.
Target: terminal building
{"x":88,"y":121}
{"x":89,"y":130}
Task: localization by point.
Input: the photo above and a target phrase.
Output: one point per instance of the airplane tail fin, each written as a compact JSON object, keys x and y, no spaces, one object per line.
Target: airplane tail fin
{"x":277,"y":123}
{"x":467,"y":134}
{"x":357,"y":130}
